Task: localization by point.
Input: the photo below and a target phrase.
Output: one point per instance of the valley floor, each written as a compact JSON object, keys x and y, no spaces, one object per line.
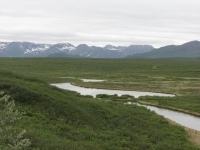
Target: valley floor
{"x":59,"y":119}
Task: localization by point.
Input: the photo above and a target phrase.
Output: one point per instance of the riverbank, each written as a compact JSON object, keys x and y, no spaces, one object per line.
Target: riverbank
{"x":193,"y":135}
{"x":171,"y":108}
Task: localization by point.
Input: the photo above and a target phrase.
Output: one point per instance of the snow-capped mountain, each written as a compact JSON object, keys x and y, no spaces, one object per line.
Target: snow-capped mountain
{"x":33,"y":49}
{"x":22,"y":49}
{"x":28,"y":49}
{"x":36,"y":47}
{"x":60,"y":47}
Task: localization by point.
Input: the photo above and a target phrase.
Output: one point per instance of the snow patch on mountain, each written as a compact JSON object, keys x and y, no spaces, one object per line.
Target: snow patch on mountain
{"x":70,"y":48}
{"x":63,"y":47}
{"x":3,"y":45}
{"x":35,"y":48}
{"x":89,"y":54}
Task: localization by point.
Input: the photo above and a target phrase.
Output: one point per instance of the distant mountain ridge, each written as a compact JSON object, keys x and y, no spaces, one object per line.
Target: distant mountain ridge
{"x":28,"y":49}
{"x":187,"y":50}
{"x":22,"y":49}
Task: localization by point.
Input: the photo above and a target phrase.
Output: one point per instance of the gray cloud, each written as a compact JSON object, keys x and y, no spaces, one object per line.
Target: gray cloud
{"x":96,"y":22}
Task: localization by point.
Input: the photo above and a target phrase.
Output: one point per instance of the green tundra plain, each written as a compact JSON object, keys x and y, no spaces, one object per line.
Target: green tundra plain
{"x":62,"y":119}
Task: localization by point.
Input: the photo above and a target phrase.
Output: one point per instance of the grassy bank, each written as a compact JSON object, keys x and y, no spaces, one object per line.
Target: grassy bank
{"x":186,"y":104}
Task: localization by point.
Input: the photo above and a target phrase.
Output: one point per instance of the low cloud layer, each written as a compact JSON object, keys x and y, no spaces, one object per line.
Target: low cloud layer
{"x":96,"y":22}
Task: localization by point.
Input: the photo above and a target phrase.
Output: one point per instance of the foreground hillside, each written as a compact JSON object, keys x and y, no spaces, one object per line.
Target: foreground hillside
{"x":59,"y":119}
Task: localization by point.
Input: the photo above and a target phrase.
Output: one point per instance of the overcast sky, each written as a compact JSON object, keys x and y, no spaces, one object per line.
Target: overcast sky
{"x":100,"y":22}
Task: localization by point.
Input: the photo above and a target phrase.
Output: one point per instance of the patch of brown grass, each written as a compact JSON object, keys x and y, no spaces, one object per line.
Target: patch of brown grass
{"x":194,"y":135}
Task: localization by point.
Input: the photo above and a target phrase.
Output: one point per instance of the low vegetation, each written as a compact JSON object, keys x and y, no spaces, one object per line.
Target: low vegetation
{"x":60,"y":119}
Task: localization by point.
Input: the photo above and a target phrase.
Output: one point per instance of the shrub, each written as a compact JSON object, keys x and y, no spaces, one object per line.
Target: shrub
{"x":9,"y":139}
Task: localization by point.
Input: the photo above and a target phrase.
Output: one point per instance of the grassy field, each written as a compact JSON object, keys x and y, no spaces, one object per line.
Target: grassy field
{"x":176,"y":76}
{"x":62,"y":119}
{"x":179,"y":76}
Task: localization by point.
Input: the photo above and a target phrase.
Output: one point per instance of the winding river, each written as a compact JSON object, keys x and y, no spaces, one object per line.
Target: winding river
{"x":183,"y":119}
{"x":94,"y":92}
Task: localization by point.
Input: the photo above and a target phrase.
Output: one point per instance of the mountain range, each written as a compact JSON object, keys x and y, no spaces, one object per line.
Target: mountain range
{"x":187,"y":50}
{"x":28,"y":49}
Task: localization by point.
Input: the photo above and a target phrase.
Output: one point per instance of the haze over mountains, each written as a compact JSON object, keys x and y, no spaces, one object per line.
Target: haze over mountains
{"x":27,"y":49}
